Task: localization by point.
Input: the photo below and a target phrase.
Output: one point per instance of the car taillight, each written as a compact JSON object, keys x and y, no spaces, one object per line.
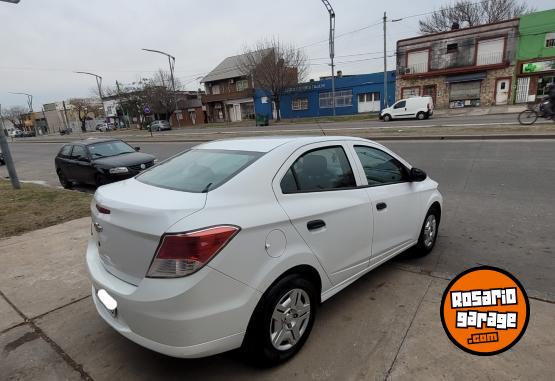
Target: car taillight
{"x":182,"y":254}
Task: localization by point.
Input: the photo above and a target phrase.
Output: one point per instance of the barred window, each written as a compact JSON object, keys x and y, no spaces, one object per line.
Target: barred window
{"x":342,"y":99}
{"x":299,"y":104}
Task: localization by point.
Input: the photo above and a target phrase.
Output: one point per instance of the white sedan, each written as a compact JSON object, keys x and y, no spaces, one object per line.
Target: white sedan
{"x":235,"y":243}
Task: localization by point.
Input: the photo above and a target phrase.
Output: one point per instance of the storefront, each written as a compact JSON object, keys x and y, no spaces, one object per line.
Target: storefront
{"x":533,"y":79}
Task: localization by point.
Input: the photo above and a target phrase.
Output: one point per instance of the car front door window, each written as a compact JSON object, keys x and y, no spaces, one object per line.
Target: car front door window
{"x":379,"y":167}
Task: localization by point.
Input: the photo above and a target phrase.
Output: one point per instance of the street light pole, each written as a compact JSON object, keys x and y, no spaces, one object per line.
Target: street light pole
{"x":332,"y":48}
{"x":30,"y":105}
{"x":98,"y":81}
{"x":171,"y":62}
{"x":7,"y":155}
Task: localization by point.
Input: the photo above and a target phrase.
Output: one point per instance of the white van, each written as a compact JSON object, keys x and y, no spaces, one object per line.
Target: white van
{"x":416,"y":107}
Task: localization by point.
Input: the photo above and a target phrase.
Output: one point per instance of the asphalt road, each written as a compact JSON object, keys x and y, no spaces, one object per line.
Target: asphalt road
{"x":498,"y":210}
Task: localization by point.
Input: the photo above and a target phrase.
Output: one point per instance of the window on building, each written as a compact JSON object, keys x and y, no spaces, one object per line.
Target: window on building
{"x":242,"y":84}
{"x":342,"y":99}
{"x":452,"y":48}
{"x":417,"y":62}
{"x":409,"y":92}
{"x":490,"y":52}
{"x":215,"y":89}
{"x":299,"y":104}
{"x":550,"y":40}
{"x":368,"y":97}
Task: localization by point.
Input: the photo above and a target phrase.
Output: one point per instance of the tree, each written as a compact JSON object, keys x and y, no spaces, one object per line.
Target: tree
{"x":274,"y":68}
{"x":15,"y":115}
{"x":87,"y":109}
{"x":470,"y":13}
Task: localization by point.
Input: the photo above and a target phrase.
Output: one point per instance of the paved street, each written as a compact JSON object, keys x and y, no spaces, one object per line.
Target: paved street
{"x":498,"y":202}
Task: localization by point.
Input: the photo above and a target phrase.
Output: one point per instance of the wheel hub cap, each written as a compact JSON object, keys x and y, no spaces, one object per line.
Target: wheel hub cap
{"x":289,"y":320}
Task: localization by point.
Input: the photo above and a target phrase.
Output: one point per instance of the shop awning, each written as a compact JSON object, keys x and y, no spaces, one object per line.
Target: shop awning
{"x":466,"y":77}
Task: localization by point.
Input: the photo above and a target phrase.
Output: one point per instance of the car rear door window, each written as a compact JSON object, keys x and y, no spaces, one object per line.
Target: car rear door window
{"x":379,"y":167}
{"x":199,"y":170}
{"x":322,"y":169}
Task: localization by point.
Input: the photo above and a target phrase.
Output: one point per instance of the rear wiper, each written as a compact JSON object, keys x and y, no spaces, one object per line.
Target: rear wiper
{"x":206,"y":188}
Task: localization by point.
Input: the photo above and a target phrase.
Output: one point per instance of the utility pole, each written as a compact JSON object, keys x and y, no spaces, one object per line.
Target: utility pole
{"x":332,"y":49}
{"x":386,"y":101}
{"x":8,"y":155}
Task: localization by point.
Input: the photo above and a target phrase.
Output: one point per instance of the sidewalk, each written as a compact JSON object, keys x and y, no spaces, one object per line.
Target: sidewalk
{"x":385,"y":326}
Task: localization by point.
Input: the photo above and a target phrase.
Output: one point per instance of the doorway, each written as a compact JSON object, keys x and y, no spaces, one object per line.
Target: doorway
{"x":502,"y":88}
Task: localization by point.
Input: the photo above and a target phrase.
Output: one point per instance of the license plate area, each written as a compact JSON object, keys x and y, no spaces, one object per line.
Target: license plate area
{"x":108,"y":302}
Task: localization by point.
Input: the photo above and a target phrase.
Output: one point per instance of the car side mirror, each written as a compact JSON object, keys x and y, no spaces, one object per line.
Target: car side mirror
{"x":137,"y":148}
{"x":417,"y":175}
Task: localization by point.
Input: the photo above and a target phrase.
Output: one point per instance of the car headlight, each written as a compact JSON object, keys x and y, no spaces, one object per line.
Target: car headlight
{"x":119,"y":170}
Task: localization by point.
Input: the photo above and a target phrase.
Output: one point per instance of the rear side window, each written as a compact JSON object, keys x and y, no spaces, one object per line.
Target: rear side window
{"x":322,"y":169}
{"x":199,"y":170}
{"x":65,"y":151}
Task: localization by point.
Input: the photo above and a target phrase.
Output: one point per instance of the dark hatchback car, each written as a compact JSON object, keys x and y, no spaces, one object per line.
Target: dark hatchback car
{"x":99,"y":161}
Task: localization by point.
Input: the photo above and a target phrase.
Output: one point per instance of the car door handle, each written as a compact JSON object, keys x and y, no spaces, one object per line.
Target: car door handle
{"x":316,"y":224}
{"x":381,"y":205}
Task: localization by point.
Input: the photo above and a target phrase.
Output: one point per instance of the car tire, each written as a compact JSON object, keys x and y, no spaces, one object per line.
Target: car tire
{"x":421,"y":115}
{"x":100,"y":180}
{"x":428,"y":233}
{"x":270,"y":341}
{"x":64,"y":182}
{"x":387,"y":118}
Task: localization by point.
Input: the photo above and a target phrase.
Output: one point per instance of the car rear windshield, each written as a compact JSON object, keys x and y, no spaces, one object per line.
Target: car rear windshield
{"x":110,"y":148}
{"x":198,"y":170}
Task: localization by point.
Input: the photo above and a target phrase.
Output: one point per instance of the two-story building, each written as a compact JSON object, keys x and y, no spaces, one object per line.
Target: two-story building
{"x":229,"y":93}
{"x":535,"y":68}
{"x":463,"y":67}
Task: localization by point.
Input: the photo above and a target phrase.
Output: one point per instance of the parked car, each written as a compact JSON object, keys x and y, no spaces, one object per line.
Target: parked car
{"x":16,"y":133}
{"x":236,"y":242}
{"x":103,"y":127}
{"x":99,"y":161}
{"x":160,"y":125}
{"x":416,"y":107}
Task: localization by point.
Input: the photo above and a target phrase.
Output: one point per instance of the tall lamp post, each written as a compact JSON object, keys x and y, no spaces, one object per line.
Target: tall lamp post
{"x":98,"y":81}
{"x":332,"y":49}
{"x":30,"y":105}
{"x":171,"y":62}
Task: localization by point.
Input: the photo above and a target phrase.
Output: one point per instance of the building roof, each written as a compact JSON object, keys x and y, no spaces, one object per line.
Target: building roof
{"x":230,"y":67}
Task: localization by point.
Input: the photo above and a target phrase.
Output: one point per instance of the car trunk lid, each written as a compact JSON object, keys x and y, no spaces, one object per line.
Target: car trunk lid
{"x":127,"y":236}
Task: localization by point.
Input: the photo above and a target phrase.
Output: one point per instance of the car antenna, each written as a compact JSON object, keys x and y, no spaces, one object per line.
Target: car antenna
{"x":206,"y":188}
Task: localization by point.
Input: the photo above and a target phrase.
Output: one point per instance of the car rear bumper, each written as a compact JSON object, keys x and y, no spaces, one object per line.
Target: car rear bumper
{"x":200,"y":315}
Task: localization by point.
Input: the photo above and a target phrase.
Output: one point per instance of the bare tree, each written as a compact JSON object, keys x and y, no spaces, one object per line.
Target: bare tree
{"x":15,"y":115}
{"x":274,"y":67}
{"x":467,"y":12}
{"x":87,"y":109}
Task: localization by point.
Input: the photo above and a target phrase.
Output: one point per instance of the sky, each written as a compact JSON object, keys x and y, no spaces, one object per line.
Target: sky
{"x":42,"y":42}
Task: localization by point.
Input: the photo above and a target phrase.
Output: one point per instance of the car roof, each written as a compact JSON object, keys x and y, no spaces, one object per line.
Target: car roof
{"x":267,"y":144}
{"x":89,"y":141}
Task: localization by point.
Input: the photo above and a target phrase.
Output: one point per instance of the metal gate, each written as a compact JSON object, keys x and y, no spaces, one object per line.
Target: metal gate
{"x":522,"y":90}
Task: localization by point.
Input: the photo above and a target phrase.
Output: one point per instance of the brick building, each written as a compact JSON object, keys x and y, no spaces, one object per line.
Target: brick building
{"x":463,"y":67}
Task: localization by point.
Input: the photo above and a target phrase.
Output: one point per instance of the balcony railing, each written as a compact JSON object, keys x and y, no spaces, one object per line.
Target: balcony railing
{"x":418,"y":68}
{"x":489,"y":58}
